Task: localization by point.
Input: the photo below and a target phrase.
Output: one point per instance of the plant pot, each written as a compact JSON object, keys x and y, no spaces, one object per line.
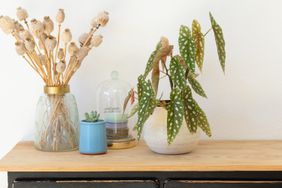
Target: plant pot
{"x":93,"y":138}
{"x":57,"y":121}
{"x":155,"y":135}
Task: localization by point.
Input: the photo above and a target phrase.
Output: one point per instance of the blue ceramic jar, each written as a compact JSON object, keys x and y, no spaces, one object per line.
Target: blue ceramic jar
{"x":93,"y":138}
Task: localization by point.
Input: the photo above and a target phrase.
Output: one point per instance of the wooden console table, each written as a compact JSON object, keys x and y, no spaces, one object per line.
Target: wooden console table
{"x":214,"y":164}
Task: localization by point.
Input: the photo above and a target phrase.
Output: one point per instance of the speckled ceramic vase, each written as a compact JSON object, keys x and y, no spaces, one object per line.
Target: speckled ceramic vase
{"x":155,"y":135}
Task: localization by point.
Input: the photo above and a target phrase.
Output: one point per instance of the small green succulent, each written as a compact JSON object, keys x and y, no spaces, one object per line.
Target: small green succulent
{"x":93,"y":116}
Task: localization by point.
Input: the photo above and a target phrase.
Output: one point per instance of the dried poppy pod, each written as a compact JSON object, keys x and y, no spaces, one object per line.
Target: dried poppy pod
{"x":24,"y":34}
{"x":61,"y":67}
{"x":29,"y":44}
{"x":96,"y":40}
{"x":94,"y":23}
{"x":40,"y":44}
{"x":48,"y":25}
{"x":43,"y":59}
{"x":21,"y":14}
{"x":18,"y":26}
{"x":20,"y":48}
{"x":102,"y":18}
{"x":7,"y":24}
{"x":82,"y":39}
{"x":82,"y":53}
{"x":66,"y":36}
{"x":61,"y":54}
{"x":50,"y":42}
{"x":73,"y":49}
{"x":60,"y":16}
{"x":37,"y":27}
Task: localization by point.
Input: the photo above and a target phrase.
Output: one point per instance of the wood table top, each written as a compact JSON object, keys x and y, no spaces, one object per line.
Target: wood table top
{"x":209,"y":156}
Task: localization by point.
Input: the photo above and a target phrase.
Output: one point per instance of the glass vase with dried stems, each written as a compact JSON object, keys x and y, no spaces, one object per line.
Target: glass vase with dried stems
{"x":55,"y":60}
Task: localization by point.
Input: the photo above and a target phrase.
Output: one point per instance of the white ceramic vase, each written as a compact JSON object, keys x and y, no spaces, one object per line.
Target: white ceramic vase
{"x":155,"y":135}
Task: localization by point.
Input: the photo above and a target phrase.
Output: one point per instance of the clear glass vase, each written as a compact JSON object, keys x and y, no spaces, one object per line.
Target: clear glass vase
{"x":57,"y":121}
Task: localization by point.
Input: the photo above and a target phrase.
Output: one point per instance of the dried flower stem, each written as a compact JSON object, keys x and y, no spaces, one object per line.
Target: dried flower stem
{"x":34,"y":68}
{"x":26,"y":23}
{"x":52,"y":66}
{"x":48,"y":66}
{"x":37,"y":61}
{"x":28,"y":28}
{"x":33,"y":61}
{"x":71,"y":69}
{"x":90,"y":34}
{"x":58,"y":43}
{"x":71,"y":61}
{"x":65,"y":50}
{"x":73,"y":66}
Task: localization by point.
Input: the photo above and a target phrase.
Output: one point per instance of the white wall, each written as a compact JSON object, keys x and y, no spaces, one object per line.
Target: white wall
{"x":245,"y":103}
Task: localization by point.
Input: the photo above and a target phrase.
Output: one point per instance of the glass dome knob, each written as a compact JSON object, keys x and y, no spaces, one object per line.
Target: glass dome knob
{"x":114,"y":75}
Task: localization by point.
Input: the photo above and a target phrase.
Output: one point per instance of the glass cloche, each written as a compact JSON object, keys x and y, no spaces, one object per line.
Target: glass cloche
{"x":110,"y":99}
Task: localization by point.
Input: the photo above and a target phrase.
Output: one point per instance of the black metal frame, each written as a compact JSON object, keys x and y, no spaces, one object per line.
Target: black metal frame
{"x":161,"y":178}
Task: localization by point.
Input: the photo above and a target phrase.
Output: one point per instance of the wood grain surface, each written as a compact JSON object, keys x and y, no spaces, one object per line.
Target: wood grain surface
{"x":209,"y":156}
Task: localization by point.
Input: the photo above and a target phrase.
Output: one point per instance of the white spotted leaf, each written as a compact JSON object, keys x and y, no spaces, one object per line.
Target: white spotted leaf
{"x":153,"y":59}
{"x":220,"y":43}
{"x":187,"y":46}
{"x":199,"y":43}
{"x":174,"y":114}
{"x":196,"y":85}
{"x":177,"y":72}
{"x":194,"y":116}
{"x":146,"y":101}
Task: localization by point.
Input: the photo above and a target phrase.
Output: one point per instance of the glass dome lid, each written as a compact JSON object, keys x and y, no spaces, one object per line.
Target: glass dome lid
{"x":110,"y":99}
{"x":111,"y":95}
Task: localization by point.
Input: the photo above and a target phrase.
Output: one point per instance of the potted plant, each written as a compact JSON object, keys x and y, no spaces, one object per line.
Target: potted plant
{"x":173,"y":124}
{"x":93,"y":138}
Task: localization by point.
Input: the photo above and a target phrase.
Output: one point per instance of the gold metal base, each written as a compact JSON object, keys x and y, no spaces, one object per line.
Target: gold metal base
{"x":122,"y":143}
{"x":56,"y":90}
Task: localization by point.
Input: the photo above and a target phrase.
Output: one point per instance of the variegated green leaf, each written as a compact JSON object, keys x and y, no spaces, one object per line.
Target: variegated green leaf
{"x":154,"y":58}
{"x":175,"y":114}
{"x":187,"y":101}
{"x":194,"y":116}
{"x":187,"y":46}
{"x":196,"y":85}
{"x":199,"y":43}
{"x":147,"y":103}
{"x":220,"y":43}
{"x":177,"y":72}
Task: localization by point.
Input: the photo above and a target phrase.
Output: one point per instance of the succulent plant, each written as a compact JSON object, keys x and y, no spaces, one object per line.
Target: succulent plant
{"x":182,"y":77}
{"x":93,"y":116}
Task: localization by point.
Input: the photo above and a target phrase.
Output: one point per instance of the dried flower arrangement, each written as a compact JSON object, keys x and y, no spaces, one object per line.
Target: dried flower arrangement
{"x":182,"y":76}
{"x":47,"y":56}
